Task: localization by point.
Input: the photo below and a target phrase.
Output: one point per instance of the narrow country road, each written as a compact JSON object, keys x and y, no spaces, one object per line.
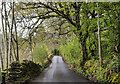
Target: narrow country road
{"x":58,"y":72}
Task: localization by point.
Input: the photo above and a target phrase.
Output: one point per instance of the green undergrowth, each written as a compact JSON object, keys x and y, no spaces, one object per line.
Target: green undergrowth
{"x":106,"y":74}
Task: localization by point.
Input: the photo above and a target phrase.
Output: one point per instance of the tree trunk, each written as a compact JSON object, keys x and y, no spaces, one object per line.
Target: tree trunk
{"x":3,"y":36}
{"x":14,"y":53}
{"x":6,"y":36}
{"x":85,"y":54}
{"x":84,"y":50}
{"x":16,"y":38}
{"x":17,"y":52}
{"x":2,"y":55}
{"x":10,"y":34}
{"x":30,"y":43}
{"x":4,"y":31}
{"x":99,"y":40}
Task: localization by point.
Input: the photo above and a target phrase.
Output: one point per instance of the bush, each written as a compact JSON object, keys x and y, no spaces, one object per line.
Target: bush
{"x":30,"y":69}
{"x":23,"y":71}
{"x":107,"y":73}
{"x":102,"y":74}
{"x":47,"y":61}
{"x":40,"y":53}
{"x":71,"y":52}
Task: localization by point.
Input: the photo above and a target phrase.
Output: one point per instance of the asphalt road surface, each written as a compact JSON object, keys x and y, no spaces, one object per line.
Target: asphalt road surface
{"x":58,"y":72}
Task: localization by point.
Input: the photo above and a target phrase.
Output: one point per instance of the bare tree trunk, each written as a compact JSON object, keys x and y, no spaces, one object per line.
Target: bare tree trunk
{"x":16,"y":41}
{"x":4,"y":30}
{"x":10,"y":47}
{"x":2,"y":55}
{"x":99,"y":40}
{"x":14,"y":53}
{"x":6,"y":35}
{"x":10,"y":34}
{"x":30,"y":43}
{"x":16,"y":38}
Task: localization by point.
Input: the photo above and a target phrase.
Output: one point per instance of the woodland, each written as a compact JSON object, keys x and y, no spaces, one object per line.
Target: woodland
{"x":85,"y":34}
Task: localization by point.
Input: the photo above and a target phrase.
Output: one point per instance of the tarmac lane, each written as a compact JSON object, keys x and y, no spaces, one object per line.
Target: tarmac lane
{"x":58,"y":73}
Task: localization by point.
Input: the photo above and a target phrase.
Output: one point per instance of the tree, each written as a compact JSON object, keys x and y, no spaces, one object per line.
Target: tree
{"x":4,"y":30}
{"x":8,"y":36}
{"x":69,"y":11}
{"x":83,"y":18}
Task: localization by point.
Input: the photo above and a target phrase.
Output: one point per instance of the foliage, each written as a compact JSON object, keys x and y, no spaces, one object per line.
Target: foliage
{"x":103,"y":74}
{"x":80,"y":48}
{"x":40,"y":53}
{"x":71,"y":52}
{"x":4,"y":72}
{"x":107,"y":73}
{"x":47,"y":61}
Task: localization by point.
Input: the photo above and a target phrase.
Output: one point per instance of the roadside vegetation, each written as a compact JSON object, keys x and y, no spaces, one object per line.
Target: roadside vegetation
{"x":107,"y":73}
{"x":21,"y":72}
